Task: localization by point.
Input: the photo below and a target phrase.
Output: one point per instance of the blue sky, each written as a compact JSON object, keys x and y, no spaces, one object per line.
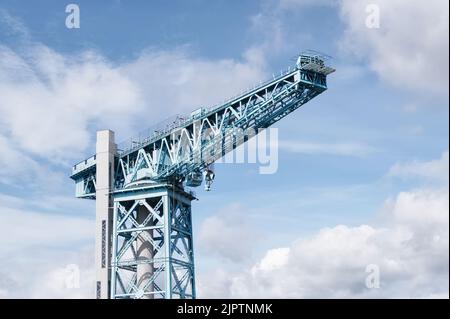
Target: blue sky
{"x":374,"y":143}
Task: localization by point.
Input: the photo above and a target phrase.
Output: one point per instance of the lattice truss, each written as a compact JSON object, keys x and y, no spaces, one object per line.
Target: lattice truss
{"x":200,"y":139}
{"x":152,"y":249}
{"x":151,"y":241}
{"x":198,"y":143}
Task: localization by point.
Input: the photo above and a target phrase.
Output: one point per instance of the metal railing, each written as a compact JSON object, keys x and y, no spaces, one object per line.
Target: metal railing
{"x":83,"y":164}
{"x":153,"y":133}
{"x":166,"y":126}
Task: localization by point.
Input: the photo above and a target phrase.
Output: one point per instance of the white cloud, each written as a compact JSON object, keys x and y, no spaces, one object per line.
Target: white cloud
{"x":332,"y":264}
{"x":410,"y":49}
{"x":21,"y":171}
{"x":420,"y":209}
{"x":50,"y":101}
{"x":175,"y":81}
{"x":437,"y":170}
{"x":226,"y":235}
{"x":49,"y":273}
{"x":344,"y":149}
{"x":27,"y":229}
{"x":274,"y":259}
{"x":13,"y":162}
{"x":410,"y":245}
{"x":41,"y":252}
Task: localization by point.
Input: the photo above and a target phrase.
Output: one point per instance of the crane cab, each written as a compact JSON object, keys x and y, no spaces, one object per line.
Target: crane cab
{"x":194,"y":179}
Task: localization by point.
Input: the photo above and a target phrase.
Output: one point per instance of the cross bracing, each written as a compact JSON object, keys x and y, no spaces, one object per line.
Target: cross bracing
{"x":191,"y":143}
{"x":144,"y":245}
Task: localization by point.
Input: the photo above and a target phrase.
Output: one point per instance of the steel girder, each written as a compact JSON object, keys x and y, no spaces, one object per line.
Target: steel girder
{"x":157,"y":218}
{"x":198,"y":143}
{"x":199,"y":140}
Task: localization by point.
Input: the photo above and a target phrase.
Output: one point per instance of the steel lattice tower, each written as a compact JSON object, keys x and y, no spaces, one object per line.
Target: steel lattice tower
{"x":144,"y":238}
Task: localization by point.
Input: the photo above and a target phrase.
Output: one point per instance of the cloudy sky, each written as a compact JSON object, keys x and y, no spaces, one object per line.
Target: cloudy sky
{"x":362,"y":177}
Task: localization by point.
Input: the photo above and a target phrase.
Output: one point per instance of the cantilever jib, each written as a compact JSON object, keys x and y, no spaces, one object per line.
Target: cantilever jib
{"x":169,"y":152}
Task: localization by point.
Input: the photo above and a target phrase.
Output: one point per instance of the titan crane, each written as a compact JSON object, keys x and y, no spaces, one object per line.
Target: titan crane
{"x":144,"y":243}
